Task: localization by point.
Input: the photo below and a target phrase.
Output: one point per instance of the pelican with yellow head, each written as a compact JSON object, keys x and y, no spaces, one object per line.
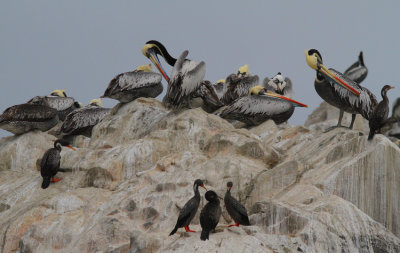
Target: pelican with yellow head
{"x":339,"y":91}
{"x":59,"y":93}
{"x":82,"y":120}
{"x":259,"y":106}
{"x":238,"y":85}
{"x":58,"y":100}
{"x":128,"y":86}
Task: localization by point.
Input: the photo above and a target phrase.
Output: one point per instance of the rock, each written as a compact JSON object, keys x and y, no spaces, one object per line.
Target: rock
{"x":122,"y":190}
{"x":97,"y":177}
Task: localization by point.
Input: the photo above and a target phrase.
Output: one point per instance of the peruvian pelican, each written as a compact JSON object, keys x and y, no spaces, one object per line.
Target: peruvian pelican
{"x":219,"y":87}
{"x":380,"y":113}
{"x":239,"y":85}
{"x":58,"y":100}
{"x":260,"y":106}
{"x":210,"y":100}
{"x":142,"y":82}
{"x":186,"y":75}
{"x":82,"y":120}
{"x":339,"y":91}
{"x":279,"y":85}
{"x":357,"y":72}
{"x":19,"y":119}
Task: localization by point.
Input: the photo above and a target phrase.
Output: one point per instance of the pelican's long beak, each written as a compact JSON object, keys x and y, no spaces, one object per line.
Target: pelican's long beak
{"x":280,"y":86}
{"x":202,"y":186}
{"x":294,"y":102}
{"x":391,"y":87}
{"x":149,"y":53}
{"x":325,"y":71}
{"x":68,"y":146}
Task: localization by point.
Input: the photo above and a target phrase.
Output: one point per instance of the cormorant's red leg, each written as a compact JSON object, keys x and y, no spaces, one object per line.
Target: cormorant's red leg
{"x":234,"y":225}
{"x":188,"y":229}
{"x":54,"y":180}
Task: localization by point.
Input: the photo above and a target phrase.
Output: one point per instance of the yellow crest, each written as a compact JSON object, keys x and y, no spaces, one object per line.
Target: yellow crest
{"x":311,"y":60}
{"x":59,"y":93}
{"x":244,"y":70}
{"x":221,"y":81}
{"x":145,"y":68}
{"x":96,"y":101}
{"x":256,"y":90}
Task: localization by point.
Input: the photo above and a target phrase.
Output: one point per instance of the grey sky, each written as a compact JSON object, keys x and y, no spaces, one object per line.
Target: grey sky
{"x":82,"y":45}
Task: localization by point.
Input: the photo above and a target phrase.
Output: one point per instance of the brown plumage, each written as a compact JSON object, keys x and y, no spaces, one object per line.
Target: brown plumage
{"x":19,"y":119}
{"x":238,"y":86}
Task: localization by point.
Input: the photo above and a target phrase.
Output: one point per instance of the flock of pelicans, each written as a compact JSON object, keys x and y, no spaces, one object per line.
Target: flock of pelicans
{"x":239,"y":97}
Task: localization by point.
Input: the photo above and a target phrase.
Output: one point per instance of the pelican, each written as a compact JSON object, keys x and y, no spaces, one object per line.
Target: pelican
{"x":142,"y":82}
{"x":82,"y":121}
{"x":357,"y":72}
{"x":279,"y":85}
{"x":339,"y":91}
{"x":260,"y":106}
{"x":219,"y":87}
{"x":58,"y":100}
{"x":210,"y":98}
{"x":380,"y":113}
{"x":239,"y":85}
{"x":186,"y":75}
{"x":19,"y":119}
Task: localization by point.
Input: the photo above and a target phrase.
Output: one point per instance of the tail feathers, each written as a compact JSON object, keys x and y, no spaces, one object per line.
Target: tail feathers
{"x":371,"y":134}
{"x":46,"y":182}
{"x":173,"y":231}
{"x":204,"y":235}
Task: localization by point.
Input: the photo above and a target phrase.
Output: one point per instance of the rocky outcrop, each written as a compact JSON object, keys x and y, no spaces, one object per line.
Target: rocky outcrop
{"x":305,"y":191}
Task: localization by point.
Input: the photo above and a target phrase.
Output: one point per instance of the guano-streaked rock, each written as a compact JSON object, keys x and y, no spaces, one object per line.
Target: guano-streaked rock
{"x":306,"y":191}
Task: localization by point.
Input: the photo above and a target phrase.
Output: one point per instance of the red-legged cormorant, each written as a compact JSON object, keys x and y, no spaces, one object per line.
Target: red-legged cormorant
{"x":51,"y":163}
{"x":379,"y":114}
{"x":210,"y":214}
{"x":236,"y":210}
{"x":189,"y":210}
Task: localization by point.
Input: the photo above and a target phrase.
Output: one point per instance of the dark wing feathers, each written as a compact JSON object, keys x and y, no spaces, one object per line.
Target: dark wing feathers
{"x":28,"y":112}
{"x":84,"y":117}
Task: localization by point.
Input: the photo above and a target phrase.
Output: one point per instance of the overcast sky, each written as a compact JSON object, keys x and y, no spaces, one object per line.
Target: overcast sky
{"x":82,"y":45}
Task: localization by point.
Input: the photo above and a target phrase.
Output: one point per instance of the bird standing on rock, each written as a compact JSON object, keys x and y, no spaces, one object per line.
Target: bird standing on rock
{"x":340,"y":91}
{"x":236,"y":210}
{"x":50,"y":163}
{"x":189,"y":210}
{"x":209,"y":216}
{"x":380,"y":113}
